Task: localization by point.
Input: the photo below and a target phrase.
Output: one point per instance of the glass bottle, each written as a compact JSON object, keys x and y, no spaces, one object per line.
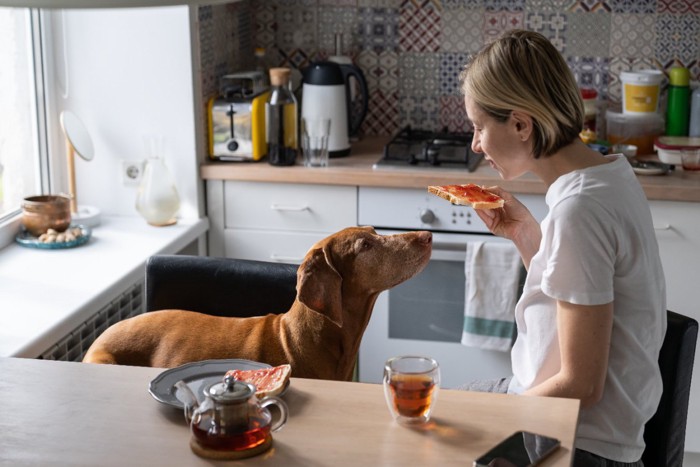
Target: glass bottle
{"x":281,"y":120}
{"x":157,"y":199}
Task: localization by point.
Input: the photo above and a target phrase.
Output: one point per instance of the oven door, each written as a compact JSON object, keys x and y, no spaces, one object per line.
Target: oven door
{"x":425,"y":316}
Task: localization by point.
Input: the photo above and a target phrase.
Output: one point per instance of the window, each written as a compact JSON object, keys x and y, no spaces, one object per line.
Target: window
{"x":20,"y":133}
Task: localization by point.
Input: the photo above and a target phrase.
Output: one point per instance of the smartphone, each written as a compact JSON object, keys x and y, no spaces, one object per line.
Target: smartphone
{"x":521,"y":449}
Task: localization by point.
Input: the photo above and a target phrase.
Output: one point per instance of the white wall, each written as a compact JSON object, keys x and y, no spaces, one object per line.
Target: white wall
{"x":125,"y":73}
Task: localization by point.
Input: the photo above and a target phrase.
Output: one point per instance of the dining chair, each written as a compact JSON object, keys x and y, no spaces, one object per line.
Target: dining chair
{"x":664,"y":433}
{"x":219,"y":286}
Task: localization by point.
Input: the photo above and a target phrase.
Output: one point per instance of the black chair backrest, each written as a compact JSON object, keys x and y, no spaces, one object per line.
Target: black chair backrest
{"x":219,"y":286}
{"x":664,"y":433}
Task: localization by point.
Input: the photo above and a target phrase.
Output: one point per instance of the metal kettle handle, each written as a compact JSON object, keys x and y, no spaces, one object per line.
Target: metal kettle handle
{"x":353,"y":71}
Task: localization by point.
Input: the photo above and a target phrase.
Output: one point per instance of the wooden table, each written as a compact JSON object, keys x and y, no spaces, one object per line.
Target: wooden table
{"x":61,"y":413}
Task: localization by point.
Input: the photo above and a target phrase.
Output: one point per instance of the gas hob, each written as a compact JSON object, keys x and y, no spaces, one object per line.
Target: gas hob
{"x":415,"y":148}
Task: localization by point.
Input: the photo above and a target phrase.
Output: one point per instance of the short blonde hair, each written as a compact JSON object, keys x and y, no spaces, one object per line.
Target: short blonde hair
{"x":523,"y":71}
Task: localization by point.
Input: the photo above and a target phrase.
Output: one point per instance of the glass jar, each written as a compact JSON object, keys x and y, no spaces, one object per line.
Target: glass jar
{"x":157,"y":199}
{"x":281,"y":120}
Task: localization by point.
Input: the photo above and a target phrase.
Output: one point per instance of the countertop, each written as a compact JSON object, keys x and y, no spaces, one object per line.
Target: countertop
{"x":356,"y":169}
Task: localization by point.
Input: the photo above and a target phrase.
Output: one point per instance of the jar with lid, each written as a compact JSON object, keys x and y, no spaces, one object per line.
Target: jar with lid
{"x":678,"y":102}
{"x":281,"y":120}
{"x":590,"y":108}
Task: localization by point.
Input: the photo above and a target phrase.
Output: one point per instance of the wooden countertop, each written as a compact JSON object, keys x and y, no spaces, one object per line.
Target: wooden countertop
{"x":356,"y":169}
{"x":64,"y":413}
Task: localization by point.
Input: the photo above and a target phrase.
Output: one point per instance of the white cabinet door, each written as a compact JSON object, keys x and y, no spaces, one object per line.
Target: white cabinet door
{"x":266,"y":245}
{"x":677,"y":227}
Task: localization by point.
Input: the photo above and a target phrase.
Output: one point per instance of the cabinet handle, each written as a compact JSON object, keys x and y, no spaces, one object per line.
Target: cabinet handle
{"x":282,"y":207}
{"x":666,"y":226}
{"x":285,"y":259}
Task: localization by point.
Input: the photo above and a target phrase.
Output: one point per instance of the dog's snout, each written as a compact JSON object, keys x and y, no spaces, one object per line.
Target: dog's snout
{"x":425,"y":237}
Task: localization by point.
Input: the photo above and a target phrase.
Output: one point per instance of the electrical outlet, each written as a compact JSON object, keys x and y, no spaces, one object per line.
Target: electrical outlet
{"x":131,"y":172}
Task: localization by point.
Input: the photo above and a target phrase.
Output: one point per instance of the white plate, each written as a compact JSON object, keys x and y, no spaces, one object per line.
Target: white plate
{"x":197,"y":375}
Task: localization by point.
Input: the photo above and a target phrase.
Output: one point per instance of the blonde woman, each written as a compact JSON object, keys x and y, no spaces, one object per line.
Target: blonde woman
{"x":592,"y":316}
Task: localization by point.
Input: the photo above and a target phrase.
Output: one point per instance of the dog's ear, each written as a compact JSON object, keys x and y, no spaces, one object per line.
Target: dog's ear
{"x":319,"y":286}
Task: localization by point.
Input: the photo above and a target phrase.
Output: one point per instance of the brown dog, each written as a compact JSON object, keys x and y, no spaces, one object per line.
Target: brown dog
{"x":337,"y":285}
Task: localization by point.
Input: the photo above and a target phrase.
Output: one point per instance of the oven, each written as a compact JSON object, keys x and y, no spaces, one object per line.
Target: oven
{"x":425,"y":314}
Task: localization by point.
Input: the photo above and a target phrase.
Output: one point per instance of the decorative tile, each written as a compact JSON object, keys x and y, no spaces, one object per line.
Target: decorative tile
{"x":461,"y":30}
{"x":420,"y":112}
{"x":382,"y":115}
{"x":453,"y":117}
{"x":552,"y":26}
{"x":451,"y":64}
{"x":458,"y":4}
{"x":633,"y":6}
{"x":419,"y":74}
{"x":680,"y":7}
{"x":589,"y":34}
{"x":677,"y":37}
{"x":347,"y":3}
{"x":504,"y":5}
{"x":590,"y":6}
{"x":296,"y":28}
{"x":591,"y":72}
{"x":496,"y":22}
{"x":332,"y":21}
{"x":632,"y":35}
{"x":548,"y":6}
{"x":264,"y":26}
{"x":381,"y":70}
{"x":419,"y":26}
{"x":378,"y":28}
{"x":379,"y":3}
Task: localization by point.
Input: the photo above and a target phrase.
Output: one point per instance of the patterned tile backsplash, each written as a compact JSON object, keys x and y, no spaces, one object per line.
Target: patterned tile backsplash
{"x":411,"y":51}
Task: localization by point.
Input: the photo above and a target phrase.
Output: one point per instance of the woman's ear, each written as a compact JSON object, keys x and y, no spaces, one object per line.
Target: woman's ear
{"x":522,"y":122}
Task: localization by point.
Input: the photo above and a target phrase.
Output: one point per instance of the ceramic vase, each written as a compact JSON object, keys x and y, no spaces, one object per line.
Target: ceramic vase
{"x":157,"y":199}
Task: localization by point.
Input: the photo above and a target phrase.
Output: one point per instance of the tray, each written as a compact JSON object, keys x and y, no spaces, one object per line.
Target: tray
{"x":28,"y":240}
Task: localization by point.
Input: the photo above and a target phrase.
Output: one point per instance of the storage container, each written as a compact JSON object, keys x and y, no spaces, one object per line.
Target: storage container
{"x":640,"y":91}
{"x":637,"y":129}
{"x":669,"y":148}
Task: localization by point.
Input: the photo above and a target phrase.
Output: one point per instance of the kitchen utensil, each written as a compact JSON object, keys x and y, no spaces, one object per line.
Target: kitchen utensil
{"x":669,"y":148}
{"x":237,"y":118}
{"x":231,"y":423}
{"x":314,"y":141}
{"x":326,"y":94}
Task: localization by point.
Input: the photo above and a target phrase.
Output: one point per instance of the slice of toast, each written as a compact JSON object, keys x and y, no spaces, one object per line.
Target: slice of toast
{"x":468,"y":195}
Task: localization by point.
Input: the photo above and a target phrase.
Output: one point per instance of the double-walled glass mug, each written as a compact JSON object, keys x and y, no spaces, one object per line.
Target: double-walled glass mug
{"x":411,"y":385}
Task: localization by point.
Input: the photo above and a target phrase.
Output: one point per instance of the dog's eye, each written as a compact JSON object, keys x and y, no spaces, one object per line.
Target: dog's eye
{"x":362,"y":244}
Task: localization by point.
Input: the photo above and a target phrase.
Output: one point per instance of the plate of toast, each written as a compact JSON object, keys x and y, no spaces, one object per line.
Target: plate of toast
{"x":198,"y":376}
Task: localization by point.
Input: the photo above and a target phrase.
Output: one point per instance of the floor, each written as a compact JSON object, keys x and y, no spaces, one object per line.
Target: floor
{"x":691,"y":459}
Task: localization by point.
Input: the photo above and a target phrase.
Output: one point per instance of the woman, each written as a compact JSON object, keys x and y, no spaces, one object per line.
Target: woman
{"x":591,"y":318}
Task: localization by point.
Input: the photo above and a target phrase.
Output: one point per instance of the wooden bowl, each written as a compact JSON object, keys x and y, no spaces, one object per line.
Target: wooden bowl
{"x":44,"y":212}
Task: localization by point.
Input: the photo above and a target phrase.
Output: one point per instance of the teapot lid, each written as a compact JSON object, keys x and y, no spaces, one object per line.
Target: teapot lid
{"x":230,"y":391}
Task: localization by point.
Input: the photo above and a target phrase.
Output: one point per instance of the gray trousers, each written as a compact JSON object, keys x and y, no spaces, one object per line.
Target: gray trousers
{"x":581,"y":458}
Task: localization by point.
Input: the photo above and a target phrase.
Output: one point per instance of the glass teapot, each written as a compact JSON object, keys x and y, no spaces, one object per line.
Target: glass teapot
{"x":231,"y":418}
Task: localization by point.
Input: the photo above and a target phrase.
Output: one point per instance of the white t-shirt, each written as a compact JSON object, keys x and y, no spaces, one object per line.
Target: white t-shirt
{"x":598,"y":246}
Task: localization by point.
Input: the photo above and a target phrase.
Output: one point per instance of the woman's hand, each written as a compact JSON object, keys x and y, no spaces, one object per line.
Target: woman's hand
{"x":514,"y":222}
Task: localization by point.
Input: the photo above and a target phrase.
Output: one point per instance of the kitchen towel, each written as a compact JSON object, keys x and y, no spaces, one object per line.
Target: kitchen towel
{"x":492,"y":271}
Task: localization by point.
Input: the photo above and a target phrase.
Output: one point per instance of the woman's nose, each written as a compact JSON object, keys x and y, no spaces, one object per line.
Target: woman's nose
{"x":476,"y":143}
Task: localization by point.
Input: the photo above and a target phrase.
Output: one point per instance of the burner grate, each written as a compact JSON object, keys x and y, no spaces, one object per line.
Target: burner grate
{"x":424,"y":148}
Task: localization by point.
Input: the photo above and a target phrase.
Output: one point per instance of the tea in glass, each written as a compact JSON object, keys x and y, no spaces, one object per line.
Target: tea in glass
{"x":411,"y":385}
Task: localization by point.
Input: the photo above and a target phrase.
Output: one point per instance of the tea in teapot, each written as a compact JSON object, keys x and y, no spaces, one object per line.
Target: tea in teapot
{"x":231,"y":423}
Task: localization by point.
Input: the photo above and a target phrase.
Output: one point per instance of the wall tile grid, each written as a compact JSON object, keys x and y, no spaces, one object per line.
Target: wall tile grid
{"x":411,"y":51}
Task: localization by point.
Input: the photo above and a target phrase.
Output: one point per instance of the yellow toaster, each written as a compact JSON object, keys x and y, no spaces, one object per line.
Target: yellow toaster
{"x":237,"y":123}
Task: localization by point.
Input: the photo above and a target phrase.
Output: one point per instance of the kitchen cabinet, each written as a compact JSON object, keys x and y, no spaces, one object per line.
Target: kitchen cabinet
{"x":677,"y":225}
{"x":276,"y":221}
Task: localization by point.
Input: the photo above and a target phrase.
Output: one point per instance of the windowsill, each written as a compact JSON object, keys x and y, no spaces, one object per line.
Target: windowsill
{"x":45,"y":294}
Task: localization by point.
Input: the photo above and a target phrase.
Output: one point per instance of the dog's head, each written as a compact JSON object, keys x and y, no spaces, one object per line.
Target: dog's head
{"x":360,"y":262}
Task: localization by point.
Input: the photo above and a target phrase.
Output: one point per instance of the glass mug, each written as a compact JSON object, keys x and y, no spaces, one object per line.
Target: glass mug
{"x":411,"y":385}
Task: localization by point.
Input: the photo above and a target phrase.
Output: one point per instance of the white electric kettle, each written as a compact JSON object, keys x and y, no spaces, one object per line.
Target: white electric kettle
{"x":326,"y":94}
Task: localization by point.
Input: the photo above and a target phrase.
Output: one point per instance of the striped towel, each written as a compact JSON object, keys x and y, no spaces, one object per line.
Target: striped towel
{"x":492,"y":271}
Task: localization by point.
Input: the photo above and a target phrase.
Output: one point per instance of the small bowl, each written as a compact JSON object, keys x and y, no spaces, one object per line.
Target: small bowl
{"x":44,"y":212}
{"x":629,"y":150}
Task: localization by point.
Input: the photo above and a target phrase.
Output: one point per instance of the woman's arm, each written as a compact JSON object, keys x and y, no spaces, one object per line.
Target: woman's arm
{"x":514,"y":222}
{"x":584,"y":344}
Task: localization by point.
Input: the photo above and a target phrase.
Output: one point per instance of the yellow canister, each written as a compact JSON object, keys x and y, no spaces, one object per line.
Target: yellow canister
{"x":640,"y":91}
